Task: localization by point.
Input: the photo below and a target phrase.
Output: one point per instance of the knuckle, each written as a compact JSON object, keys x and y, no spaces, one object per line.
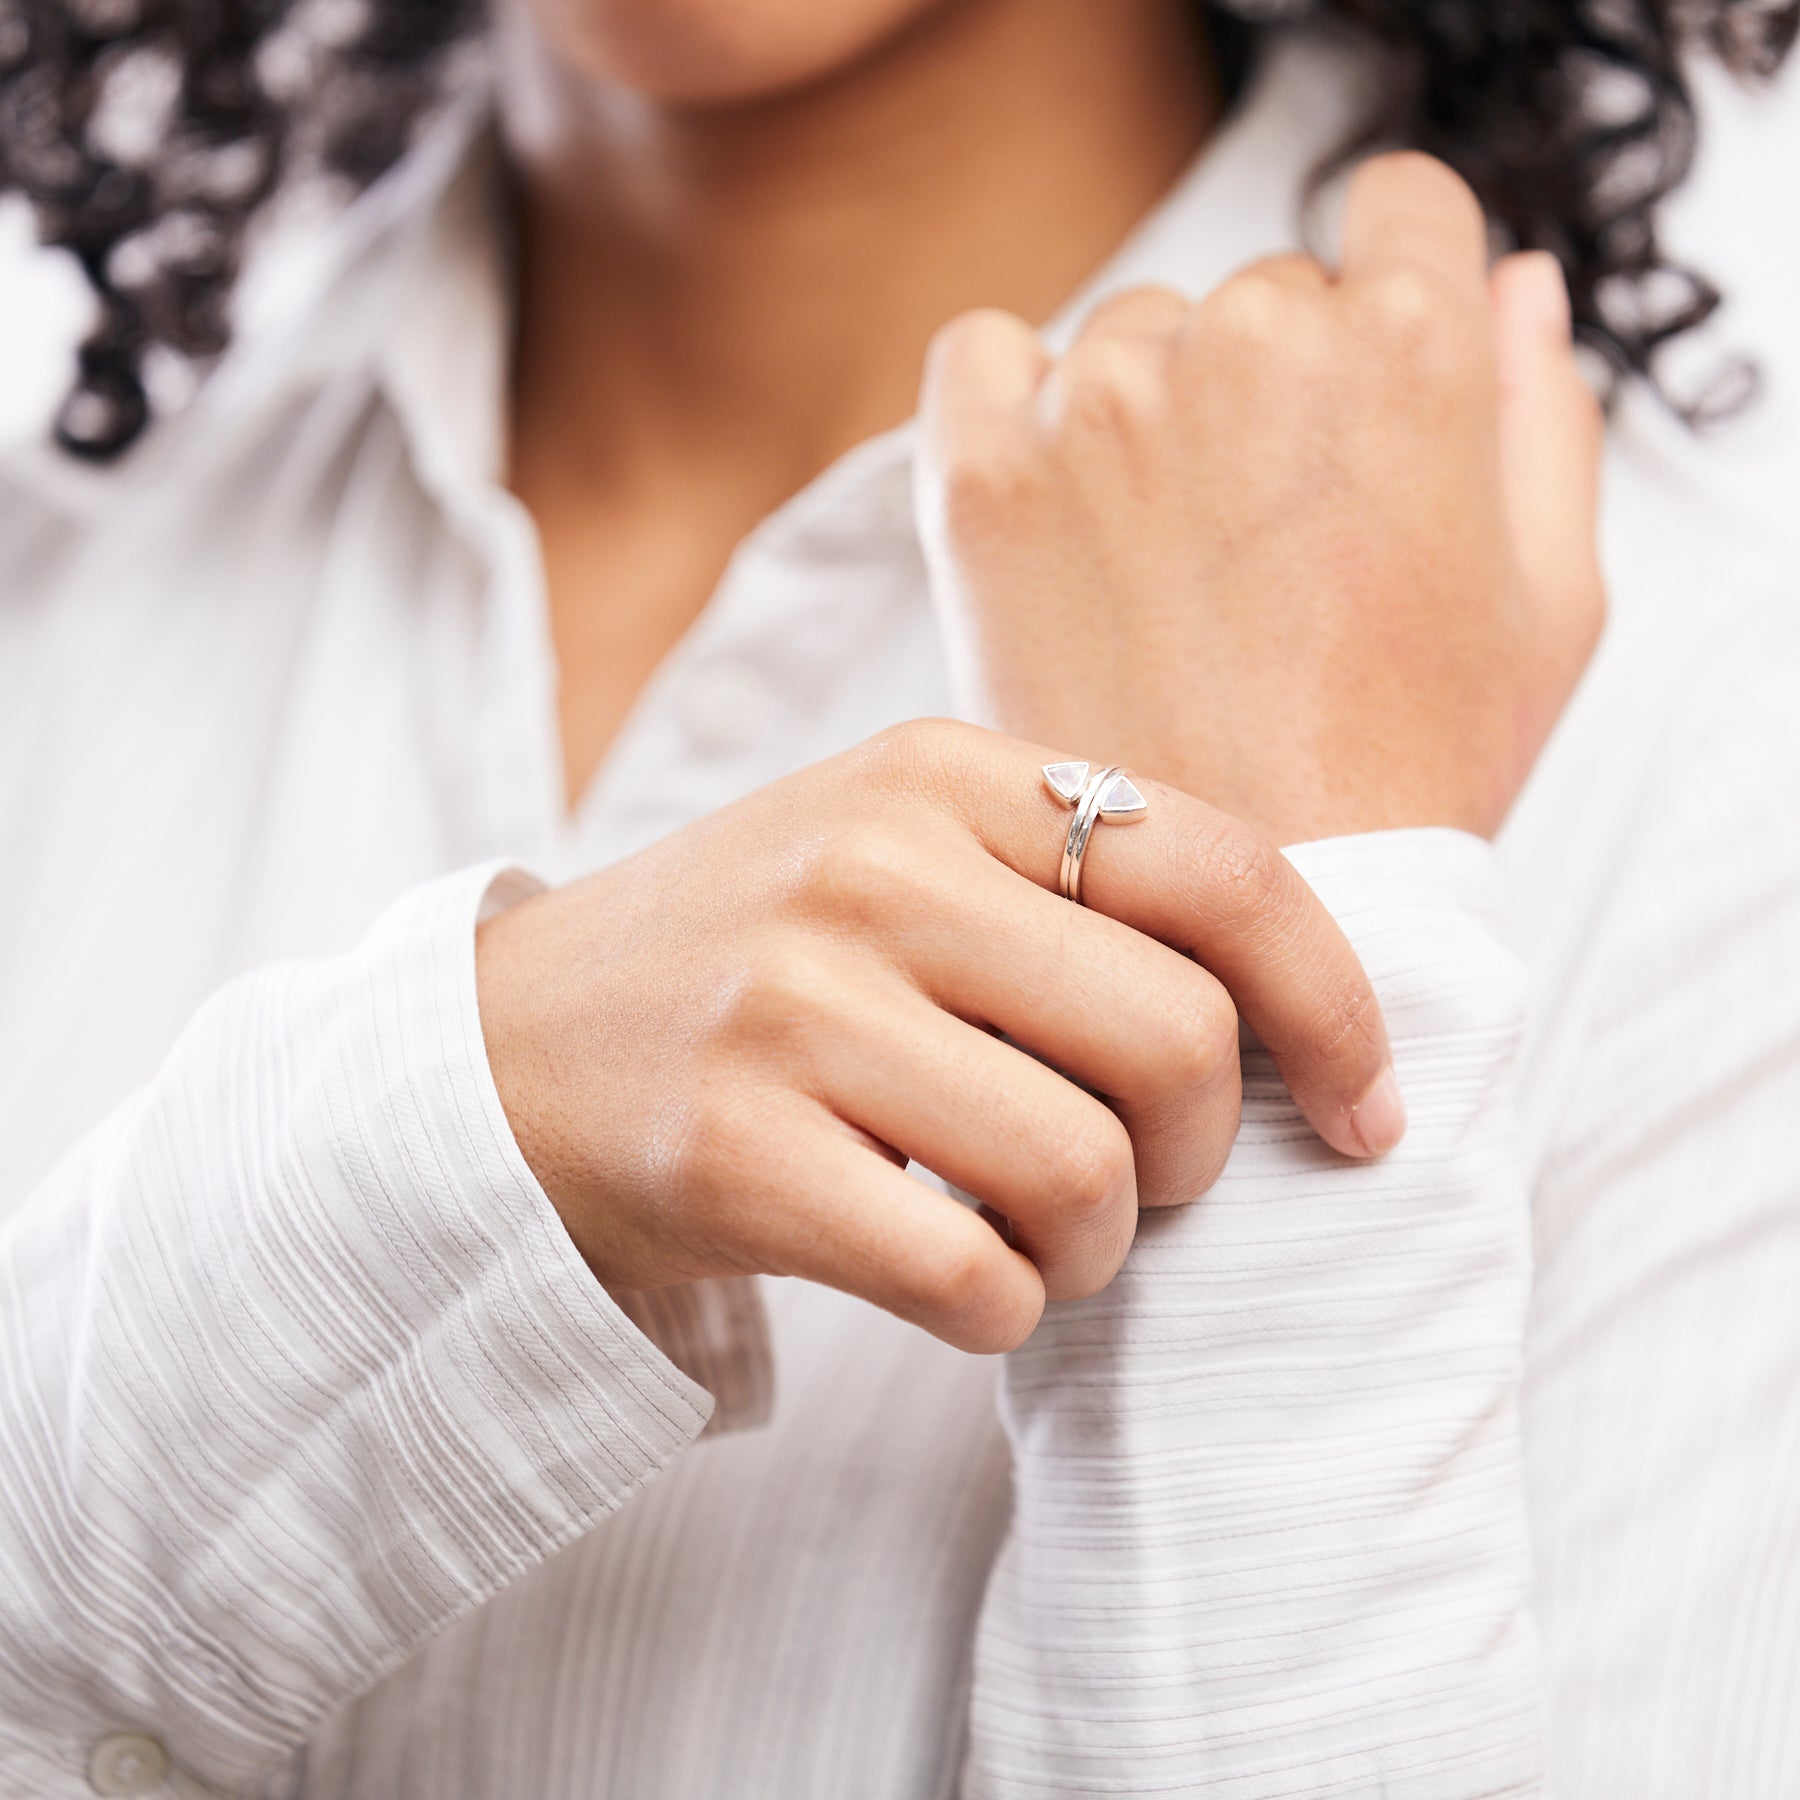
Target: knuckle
{"x":1244,"y":874}
{"x":1250,"y":312}
{"x":861,"y":872}
{"x":1215,"y":1155}
{"x":1420,"y":332}
{"x":962,"y":1280}
{"x":964,"y":1298}
{"x":1407,"y":304}
{"x":1091,"y":1171}
{"x":712,"y":1154}
{"x":917,"y":755}
{"x":1202,"y":1042}
{"x":1109,"y":389}
{"x":1262,"y":343}
{"x":1107,"y":1250}
{"x":786,"y":983}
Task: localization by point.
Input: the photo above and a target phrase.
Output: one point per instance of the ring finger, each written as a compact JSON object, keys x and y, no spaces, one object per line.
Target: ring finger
{"x":1123,"y":1014}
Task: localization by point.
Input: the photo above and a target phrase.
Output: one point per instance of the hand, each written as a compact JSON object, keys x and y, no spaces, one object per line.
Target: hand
{"x":716,"y":1054}
{"x":1320,"y":549}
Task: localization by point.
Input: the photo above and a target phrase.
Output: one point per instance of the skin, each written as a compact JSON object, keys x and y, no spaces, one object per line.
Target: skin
{"x":741,"y":226}
{"x":740,"y":238}
{"x":715,"y":1053}
{"x":1320,"y":545}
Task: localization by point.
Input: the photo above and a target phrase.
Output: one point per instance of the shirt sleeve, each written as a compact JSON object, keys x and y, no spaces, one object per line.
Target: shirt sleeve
{"x":1269,"y":1533}
{"x":297,"y":1365}
{"x":1662,"y":1397}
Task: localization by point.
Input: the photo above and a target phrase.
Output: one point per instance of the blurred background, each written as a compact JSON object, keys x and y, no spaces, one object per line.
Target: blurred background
{"x":1738,"y":220}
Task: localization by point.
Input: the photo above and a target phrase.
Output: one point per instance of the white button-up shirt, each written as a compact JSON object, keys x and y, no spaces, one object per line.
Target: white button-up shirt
{"x":326,"y":1467}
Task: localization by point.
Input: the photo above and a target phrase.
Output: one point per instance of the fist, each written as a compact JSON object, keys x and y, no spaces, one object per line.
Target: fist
{"x":1319,"y":547}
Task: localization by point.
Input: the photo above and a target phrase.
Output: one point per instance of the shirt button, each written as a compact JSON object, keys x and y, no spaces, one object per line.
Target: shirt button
{"x":726,"y":705}
{"x":127,"y":1763}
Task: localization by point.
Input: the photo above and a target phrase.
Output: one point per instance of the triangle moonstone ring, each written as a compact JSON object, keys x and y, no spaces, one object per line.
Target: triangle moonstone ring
{"x":1110,"y":794}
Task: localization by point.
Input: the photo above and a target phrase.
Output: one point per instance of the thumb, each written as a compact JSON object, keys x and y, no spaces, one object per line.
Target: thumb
{"x":1551,"y":435}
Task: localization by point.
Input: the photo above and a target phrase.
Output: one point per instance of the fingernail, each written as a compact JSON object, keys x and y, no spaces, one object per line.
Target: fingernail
{"x":1378,"y":1119}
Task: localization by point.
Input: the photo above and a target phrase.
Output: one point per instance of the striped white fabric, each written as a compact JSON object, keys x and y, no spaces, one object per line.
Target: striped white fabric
{"x":1323,"y":1587}
{"x":327,"y":1470}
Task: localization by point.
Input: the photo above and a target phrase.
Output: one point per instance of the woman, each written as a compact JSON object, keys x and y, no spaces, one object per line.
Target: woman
{"x":348,"y":1315}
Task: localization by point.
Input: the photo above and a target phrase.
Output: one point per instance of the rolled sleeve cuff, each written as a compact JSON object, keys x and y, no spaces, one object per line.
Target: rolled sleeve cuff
{"x":553,"y":1383}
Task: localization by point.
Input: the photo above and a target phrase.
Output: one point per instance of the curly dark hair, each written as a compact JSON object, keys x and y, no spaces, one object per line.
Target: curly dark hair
{"x":1572,"y":121}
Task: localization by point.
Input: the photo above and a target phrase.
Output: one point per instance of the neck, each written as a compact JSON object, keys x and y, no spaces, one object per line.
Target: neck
{"x":734,"y":294}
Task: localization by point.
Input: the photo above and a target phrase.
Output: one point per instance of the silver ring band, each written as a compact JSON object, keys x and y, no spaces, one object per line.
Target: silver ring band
{"x":1081,"y":828}
{"x":1111,"y":795}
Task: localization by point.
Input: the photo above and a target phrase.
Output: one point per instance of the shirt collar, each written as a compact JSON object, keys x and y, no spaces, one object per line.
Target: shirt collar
{"x":412,"y":284}
{"x":318,"y":301}
{"x":443,"y":353}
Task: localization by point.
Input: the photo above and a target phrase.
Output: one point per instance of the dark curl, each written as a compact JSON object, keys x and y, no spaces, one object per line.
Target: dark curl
{"x":1573,"y":122}
{"x":147,"y":134}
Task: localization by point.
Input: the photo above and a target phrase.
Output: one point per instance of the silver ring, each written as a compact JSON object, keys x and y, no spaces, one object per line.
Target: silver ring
{"x":1110,"y":795}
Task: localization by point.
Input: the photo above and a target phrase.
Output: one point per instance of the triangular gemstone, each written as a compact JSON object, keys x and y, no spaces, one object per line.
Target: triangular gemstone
{"x":1121,"y":797}
{"x":1067,"y":779}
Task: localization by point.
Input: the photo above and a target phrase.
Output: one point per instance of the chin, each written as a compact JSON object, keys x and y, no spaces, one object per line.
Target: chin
{"x":718,"y":51}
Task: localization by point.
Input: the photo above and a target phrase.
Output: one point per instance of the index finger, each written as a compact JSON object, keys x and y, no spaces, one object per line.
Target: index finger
{"x":1410,"y":211}
{"x":1206,"y":884}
